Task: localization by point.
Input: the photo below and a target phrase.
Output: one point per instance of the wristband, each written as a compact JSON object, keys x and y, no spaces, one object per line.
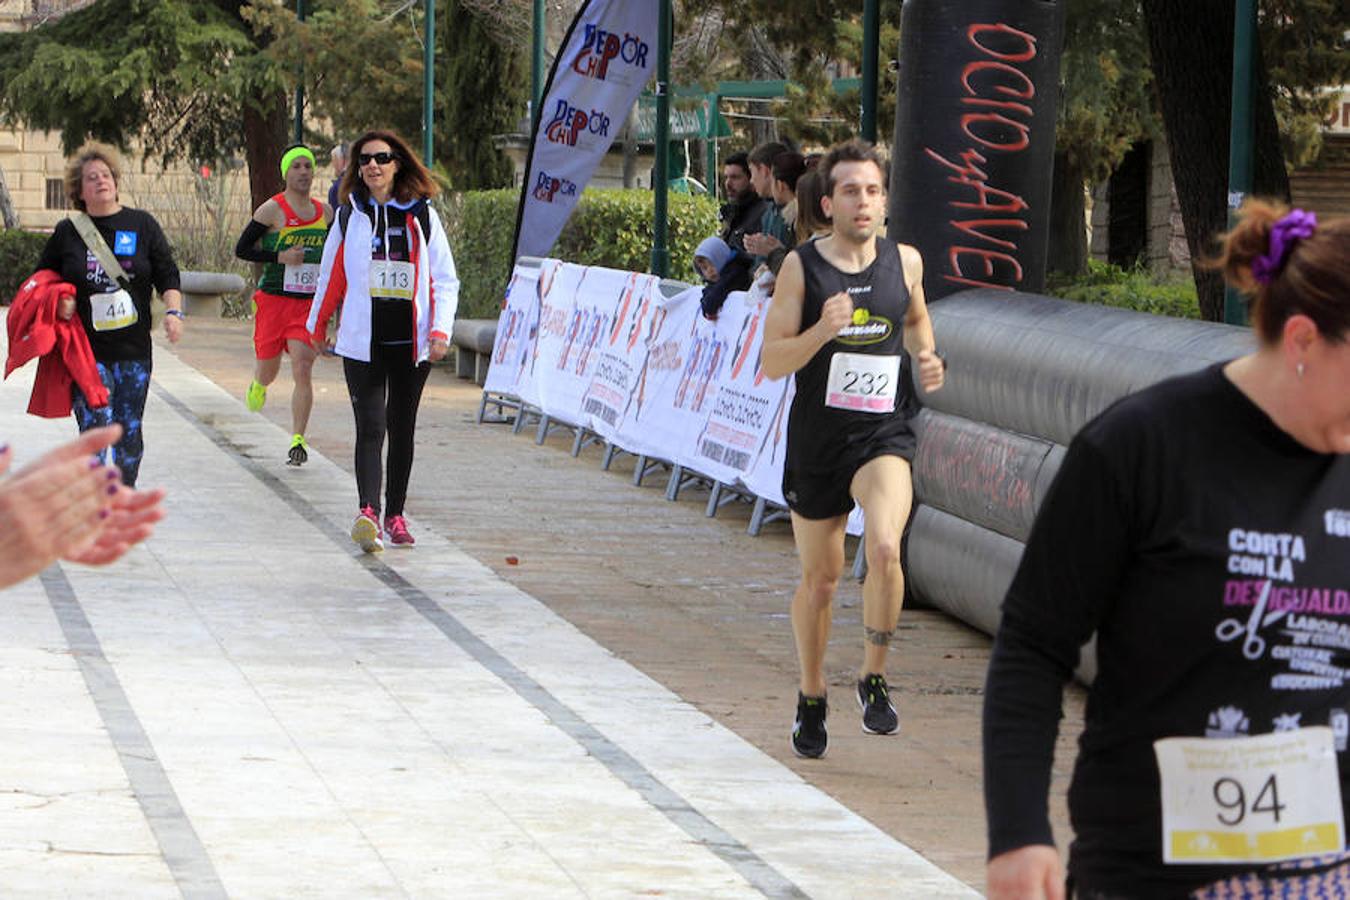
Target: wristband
{"x":178,"y":313}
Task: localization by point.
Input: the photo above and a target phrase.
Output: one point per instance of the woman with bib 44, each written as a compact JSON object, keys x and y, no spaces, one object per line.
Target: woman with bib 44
{"x":116,"y":257}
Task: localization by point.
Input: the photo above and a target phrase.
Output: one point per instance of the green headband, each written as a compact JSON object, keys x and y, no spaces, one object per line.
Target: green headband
{"x":292,"y":155}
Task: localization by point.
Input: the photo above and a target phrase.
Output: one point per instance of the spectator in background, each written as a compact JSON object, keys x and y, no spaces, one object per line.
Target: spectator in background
{"x":339,"y":160}
{"x":811,"y":220}
{"x":787,"y":168}
{"x":723,"y":270}
{"x":744,"y":209}
{"x":771,"y":222}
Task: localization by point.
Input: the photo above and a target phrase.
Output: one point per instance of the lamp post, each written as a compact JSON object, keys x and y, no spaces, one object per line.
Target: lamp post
{"x":428,"y":82}
{"x":660,"y":182}
{"x":1241,"y":135}
{"x":537,"y":63}
{"x":299,"y":124}
{"x":871,"y":38}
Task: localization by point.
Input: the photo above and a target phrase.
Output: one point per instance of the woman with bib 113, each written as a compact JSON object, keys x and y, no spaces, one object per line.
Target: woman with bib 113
{"x":115,"y":257}
{"x":387,"y":268}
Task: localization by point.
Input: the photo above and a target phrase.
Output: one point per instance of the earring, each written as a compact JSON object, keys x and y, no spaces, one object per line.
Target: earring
{"x":1299,"y":369}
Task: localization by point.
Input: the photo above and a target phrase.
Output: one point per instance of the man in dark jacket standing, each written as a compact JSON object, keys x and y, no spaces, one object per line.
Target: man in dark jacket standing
{"x":744,"y":209}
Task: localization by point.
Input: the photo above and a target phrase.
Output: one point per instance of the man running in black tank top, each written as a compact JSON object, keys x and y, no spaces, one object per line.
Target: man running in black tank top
{"x":847,"y":314}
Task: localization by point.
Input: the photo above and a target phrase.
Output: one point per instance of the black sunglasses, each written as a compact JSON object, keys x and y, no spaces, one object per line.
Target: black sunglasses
{"x":383,"y":158}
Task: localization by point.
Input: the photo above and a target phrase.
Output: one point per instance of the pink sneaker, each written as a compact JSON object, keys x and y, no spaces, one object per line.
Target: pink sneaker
{"x":397,"y":526}
{"x":366,"y":531}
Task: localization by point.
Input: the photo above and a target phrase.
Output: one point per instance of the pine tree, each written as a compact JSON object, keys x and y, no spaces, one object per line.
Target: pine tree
{"x":187,"y":80}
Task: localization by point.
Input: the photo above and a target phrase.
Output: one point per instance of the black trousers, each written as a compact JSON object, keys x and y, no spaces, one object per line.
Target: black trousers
{"x":385,"y":394}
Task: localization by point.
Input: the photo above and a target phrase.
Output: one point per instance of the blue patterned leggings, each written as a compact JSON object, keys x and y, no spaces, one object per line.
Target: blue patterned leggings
{"x":128,"y":383}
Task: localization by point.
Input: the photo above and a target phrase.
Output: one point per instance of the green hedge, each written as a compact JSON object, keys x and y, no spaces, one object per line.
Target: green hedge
{"x":19,"y":252}
{"x":1137,"y":289}
{"x":610,"y":227}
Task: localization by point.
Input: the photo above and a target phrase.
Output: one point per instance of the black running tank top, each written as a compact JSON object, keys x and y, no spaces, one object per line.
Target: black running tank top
{"x":836,"y":417}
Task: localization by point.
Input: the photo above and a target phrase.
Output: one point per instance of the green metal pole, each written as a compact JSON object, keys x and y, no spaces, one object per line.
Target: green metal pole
{"x":429,"y":83}
{"x":1241,"y":135}
{"x":537,"y":62}
{"x":871,"y":38}
{"x":714,"y":176}
{"x":299,"y":125}
{"x":660,"y":177}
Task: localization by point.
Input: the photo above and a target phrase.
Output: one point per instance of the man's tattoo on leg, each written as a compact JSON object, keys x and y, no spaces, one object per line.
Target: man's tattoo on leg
{"x":875,"y":636}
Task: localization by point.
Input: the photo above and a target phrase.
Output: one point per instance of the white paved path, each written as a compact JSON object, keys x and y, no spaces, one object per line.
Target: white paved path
{"x":248,"y":707}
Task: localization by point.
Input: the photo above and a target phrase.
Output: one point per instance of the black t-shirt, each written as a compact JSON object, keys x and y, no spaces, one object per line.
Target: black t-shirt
{"x":137,"y":241}
{"x":826,"y":438}
{"x":391,"y":320}
{"x":1170,"y":514}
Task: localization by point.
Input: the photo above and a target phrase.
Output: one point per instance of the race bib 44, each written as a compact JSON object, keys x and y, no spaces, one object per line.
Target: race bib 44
{"x":112,"y":311}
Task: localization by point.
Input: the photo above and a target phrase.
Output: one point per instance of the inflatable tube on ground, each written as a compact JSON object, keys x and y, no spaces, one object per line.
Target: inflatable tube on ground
{"x":965,"y":570}
{"x":983,"y":474}
{"x":1045,"y":367}
{"x":959,"y":567}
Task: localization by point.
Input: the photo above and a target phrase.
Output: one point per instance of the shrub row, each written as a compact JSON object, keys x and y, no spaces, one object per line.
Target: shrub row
{"x":610,"y":227}
{"x":1137,"y":289}
{"x":19,"y":253}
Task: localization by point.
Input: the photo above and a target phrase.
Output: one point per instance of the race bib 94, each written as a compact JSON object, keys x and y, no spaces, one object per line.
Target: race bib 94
{"x":1250,"y":800}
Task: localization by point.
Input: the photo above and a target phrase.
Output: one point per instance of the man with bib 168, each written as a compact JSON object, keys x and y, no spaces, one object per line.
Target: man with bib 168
{"x":286,"y":235}
{"x":848,"y":315}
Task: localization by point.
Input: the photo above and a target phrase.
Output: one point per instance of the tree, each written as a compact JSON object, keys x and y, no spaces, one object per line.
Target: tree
{"x":184,"y":79}
{"x":467,"y":116}
{"x":481,"y":80}
{"x":1305,"y":42}
{"x":1194,"y":90}
{"x":798,"y":40}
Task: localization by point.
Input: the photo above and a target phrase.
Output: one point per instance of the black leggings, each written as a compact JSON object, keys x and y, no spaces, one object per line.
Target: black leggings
{"x":385,"y":393}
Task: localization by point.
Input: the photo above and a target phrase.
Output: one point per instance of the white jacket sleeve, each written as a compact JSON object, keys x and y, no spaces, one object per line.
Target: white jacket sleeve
{"x":444,"y":281}
{"x":331,"y":245}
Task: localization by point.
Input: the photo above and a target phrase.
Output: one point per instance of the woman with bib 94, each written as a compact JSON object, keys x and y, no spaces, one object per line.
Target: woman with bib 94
{"x":387,"y":268}
{"x":1201,"y":528}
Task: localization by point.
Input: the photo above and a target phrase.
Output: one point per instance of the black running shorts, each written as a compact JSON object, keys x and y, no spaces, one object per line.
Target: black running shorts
{"x":825,"y":495}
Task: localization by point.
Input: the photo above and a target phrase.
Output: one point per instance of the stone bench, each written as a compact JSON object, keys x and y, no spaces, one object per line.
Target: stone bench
{"x":204,"y":292}
{"x":473,"y":340}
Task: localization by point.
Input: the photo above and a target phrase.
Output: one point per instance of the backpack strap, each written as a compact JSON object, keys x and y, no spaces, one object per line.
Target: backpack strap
{"x":99,"y":247}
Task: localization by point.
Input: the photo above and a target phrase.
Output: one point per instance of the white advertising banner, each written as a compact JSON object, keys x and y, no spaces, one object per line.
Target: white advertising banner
{"x":606,"y":59}
{"x":609,"y":351}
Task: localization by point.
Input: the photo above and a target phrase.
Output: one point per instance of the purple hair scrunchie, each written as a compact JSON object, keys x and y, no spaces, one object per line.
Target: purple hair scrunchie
{"x":1296,"y":225}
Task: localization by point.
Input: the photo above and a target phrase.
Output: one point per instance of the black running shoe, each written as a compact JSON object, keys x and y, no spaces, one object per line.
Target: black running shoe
{"x":878,"y":713}
{"x":297,"y":455}
{"x":808,"y":732}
